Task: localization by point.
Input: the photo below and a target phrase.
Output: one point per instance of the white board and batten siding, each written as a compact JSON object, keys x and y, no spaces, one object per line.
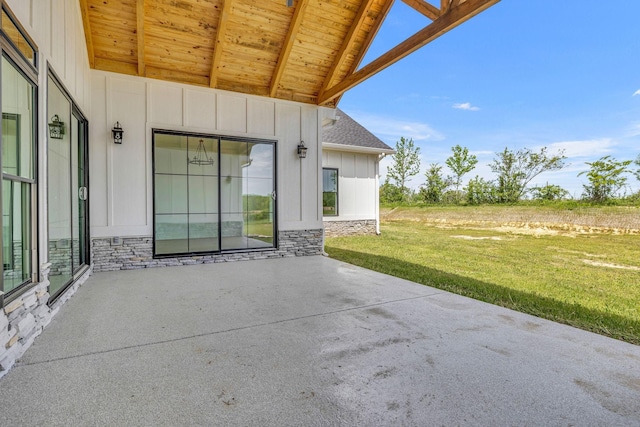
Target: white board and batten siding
{"x":357,"y":184}
{"x":55,"y":26}
{"x":121,"y":175}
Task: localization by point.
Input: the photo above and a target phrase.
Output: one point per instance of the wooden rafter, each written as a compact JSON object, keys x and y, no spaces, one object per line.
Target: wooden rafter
{"x":427,"y":9}
{"x":140,"y":33}
{"x":367,"y":43}
{"x":446,"y":22}
{"x":220,"y":35}
{"x":347,"y":43}
{"x":283,"y":58}
{"x":444,"y":6}
{"x":84,"y":10}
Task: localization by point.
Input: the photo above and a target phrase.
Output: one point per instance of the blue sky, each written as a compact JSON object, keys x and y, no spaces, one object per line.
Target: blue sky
{"x":560,"y":74}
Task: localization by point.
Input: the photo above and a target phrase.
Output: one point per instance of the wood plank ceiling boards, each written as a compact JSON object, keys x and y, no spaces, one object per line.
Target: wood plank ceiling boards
{"x":309,"y":52}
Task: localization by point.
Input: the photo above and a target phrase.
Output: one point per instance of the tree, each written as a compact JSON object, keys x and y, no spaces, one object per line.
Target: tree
{"x":389,"y":193}
{"x":406,"y":164}
{"x":606,"y":177}
{"x":549,"y":192}
{"x":516,"y":169}
{"x":480,"y":191}
{"x":435,"y":185}
{"x":637,"y":172}
{"x":460,"y":163}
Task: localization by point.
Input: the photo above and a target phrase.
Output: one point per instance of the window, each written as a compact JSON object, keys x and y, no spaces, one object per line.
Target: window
{"x":18,"y":176}
{"x":18,"y":38}
{"x":329,"y":192}
{"x":212,"y":194}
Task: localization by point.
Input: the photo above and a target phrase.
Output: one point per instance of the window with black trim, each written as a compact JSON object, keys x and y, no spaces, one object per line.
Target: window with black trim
{"x":19,"y":142}
{"x":212,"y":193}
{"x":329,"y":192}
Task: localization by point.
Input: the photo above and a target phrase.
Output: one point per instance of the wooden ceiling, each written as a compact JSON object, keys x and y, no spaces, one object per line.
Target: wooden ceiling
{"x":309,"y":52}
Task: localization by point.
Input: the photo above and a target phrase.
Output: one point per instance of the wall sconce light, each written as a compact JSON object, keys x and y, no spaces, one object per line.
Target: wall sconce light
{"x":56,"y":128}
{"x":302,"y":150}
{"x":117,"y":133}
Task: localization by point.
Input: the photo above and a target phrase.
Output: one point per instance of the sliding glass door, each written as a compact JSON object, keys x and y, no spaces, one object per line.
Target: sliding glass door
{"x":67,"y":191}
{"x":212,"y":194}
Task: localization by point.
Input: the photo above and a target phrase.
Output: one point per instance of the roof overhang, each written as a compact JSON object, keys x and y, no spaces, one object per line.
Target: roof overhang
{"x":309,"y":53}
{"x":355,"y":149}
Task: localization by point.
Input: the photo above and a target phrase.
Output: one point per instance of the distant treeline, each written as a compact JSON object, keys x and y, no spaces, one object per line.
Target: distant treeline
{"x":608,"y":178}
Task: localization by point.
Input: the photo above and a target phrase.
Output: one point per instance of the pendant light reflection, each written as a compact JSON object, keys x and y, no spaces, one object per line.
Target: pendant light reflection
{"x":201,"y":158}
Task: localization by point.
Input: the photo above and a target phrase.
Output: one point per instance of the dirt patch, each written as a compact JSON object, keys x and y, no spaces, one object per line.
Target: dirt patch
{"x":543,"y":221}
{"x":609,"y":265}
{"x":476,"y":238}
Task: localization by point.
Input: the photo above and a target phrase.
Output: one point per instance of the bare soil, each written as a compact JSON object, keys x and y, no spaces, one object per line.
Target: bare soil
{"x":525,"y":219}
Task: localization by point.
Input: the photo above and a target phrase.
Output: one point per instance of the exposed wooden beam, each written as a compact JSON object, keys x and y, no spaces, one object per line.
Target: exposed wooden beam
{"x":427,"y":9}
{"x":444,"y":6}
{"x":455,"y":3}
{"x":347,"y":43}
{"x":367,"y":43}
{"x":84,"y":9}
{"x":140,"y":33}
{"x":283,"y":58}
{"x":221,"y":30}
{"x":455,"y":17}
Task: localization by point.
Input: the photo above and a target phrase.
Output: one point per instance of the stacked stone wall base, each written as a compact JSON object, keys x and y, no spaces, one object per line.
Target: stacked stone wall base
{"x":349,"y":228}
{"x":137,"y":252}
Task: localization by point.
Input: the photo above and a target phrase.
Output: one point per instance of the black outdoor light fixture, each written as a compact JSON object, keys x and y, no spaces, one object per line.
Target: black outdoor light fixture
{"x":302,"y":150}
{"x":117,"y":133}
{"x":56,"y":127}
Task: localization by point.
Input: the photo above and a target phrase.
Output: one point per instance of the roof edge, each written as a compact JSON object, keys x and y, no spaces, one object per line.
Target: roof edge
{"x":355,"y":149}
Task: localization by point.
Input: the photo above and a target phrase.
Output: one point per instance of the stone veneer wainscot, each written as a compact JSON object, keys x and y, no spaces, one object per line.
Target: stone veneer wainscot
{"x":137,"y":252}
{"x":349,"y":228}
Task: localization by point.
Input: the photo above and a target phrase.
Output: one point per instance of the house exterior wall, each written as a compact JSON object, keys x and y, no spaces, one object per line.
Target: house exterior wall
{"x":121,"y":175}
{"x":357,"y":193}
{"x":56,"y":28}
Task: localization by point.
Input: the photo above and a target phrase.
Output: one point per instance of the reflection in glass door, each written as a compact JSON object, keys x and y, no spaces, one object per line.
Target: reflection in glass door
{"x":67,"y":192}
{"x":212,"y":194}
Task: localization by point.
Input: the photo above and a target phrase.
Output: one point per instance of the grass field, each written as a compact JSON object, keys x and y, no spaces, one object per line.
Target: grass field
{"x":582,"y":269}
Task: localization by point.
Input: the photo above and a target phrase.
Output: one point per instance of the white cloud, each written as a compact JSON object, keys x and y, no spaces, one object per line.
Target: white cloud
{"x":587,"y":148}
{"x":466,"y":106}
{"x":636,"y":92}
{"x":634,"y":130}
{"x":390,"y":129}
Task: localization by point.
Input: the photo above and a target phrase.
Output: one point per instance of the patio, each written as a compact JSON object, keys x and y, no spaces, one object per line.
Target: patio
{"x":309,"y":341}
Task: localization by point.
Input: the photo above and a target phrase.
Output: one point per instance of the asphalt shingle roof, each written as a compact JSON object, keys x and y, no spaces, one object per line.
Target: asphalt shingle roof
{"x":347,"y":131}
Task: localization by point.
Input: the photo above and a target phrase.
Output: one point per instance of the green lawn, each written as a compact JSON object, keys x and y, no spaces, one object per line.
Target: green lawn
{"x":591,"y":281}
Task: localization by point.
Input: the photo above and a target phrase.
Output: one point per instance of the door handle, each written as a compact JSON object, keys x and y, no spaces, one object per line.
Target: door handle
{"x":82,"y":193}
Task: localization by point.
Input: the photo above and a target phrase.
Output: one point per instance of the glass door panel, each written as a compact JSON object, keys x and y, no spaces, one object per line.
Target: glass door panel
{"x":212,"y":194}
{"x":67,"y":192}
{"x":247,"y":195}
{"x":59,"y":193}
{"x":185,"y":194}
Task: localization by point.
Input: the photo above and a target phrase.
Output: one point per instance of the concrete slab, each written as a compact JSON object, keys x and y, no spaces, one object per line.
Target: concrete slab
{"x":309,"y":341}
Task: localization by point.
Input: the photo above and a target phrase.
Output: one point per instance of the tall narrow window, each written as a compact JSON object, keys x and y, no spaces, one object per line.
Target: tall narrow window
{"x":18,"y":178}
{"x":212,"y":194}
{"x":329,"y":192}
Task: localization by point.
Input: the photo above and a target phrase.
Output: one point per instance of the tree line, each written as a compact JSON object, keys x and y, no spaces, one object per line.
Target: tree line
{"x":514,"y":170}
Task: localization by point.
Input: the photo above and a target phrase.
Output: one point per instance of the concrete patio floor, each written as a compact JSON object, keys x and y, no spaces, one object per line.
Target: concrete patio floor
{"x":309,"y":342}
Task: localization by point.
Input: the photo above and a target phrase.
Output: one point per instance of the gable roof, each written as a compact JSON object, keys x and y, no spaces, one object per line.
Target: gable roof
{"x":347,"y":132}
{"x":309,"y":52}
